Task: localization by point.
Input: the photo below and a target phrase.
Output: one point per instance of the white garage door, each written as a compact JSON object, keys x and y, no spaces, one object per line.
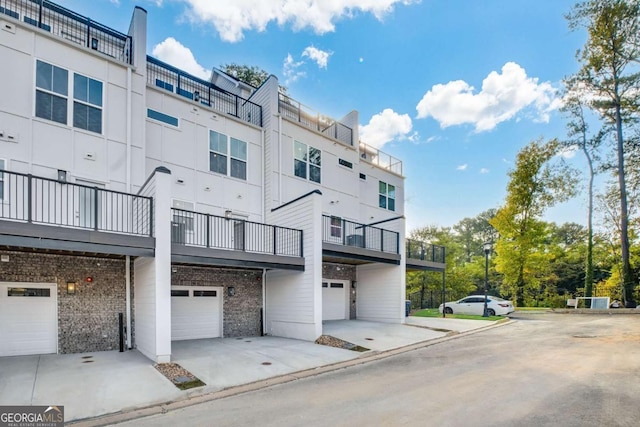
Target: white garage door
{"x":334,"y":300}
{"x":196,"y":312}
{"x":28,"y":315}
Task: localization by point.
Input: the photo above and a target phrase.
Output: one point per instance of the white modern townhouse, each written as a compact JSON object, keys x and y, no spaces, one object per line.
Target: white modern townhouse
{"x":141,"y":205}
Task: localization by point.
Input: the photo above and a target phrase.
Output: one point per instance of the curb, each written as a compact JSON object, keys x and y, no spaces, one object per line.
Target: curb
{"x":162,"y":408}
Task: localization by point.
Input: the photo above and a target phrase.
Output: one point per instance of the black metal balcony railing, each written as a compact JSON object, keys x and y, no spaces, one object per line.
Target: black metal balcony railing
{"x":32,"y":199}
{"x":177,"y":81}
{"x":71,"y":26}
{"x":294,"y":110}
{"x":212,"y":231}
{"x":347,"y":233}
{"x":425,"y":251}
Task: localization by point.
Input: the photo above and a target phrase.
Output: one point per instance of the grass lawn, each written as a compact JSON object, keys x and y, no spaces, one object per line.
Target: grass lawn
{"x":433,"y":312}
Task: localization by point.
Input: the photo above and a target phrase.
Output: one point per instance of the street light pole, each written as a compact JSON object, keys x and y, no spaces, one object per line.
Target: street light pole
{"x":487,"y":249}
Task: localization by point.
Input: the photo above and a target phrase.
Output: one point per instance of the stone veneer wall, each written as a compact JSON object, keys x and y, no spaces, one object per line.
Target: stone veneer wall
{"x":343,"y":272}
{"x":87,"y":320}
{"x":241,"y":316}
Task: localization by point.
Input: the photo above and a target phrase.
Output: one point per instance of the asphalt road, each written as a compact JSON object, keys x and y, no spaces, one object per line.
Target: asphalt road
{"x":542,"y":370}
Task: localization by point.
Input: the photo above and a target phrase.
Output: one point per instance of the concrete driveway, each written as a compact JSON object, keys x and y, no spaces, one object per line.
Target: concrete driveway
{"x":94,"y":384}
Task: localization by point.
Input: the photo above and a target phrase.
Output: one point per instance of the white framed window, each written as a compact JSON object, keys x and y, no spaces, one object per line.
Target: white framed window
{"x":52,"y":89}
{"x":238,"y":161}
{"x":227,"y":156}
{"x":307,"y":162}
{"x":387,"y":196}
{"x":53,"y":94}
{"x":87,"y":103}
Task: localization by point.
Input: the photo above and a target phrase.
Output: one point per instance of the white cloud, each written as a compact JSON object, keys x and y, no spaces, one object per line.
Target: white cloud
{"x":319,"y":56}
{"x":484,"y":170}
{"x":503,"y":95}
{"x":175,"y":53}
{"x":462,"y":167}
{"x":568,"y":152}
{"x":290,"y":70}
{"x":385,"y":127}
{"x":231,"y":18}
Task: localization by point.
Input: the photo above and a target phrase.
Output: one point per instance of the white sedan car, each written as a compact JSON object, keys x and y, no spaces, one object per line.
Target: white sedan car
{"x":474,"y":304}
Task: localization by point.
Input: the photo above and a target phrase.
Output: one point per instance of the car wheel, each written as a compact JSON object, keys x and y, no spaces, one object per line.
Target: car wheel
{"x":491,"y":312}
{"x":448,"y":310}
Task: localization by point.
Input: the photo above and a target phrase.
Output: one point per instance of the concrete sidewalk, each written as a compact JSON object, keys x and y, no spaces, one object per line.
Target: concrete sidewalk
{"x":96,"y":384}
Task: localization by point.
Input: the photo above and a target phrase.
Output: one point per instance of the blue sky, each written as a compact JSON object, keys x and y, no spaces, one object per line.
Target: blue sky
{"x":454,"y":88}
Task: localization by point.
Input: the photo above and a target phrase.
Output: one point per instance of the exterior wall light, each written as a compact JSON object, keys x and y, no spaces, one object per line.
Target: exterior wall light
{"x":71,"y":288}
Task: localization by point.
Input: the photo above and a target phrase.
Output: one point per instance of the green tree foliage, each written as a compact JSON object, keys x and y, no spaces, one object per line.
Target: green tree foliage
{"x":250,"y":75}
{"x":540,"y":179}
{"x":609,"y":75}
{"x":471,"y":233}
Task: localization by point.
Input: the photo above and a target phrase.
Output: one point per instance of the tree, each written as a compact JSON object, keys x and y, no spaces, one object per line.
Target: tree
{"x":250,"y":75}
{"x":580,"y":137}
{"x":609,"y":73}
{"x":540,"y":179}
{"x":471,"y":233}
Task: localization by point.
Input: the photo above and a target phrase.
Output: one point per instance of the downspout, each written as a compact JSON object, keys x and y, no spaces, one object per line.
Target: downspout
{"x":128,"y":183}
{"x":264,"y":301}
{"x":279,"y":159}
{"x":264,"y":179}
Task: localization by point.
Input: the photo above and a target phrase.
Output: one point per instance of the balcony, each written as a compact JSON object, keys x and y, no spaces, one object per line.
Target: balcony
{"x":70,"y":26}
{"x":54,"y":214}
{"x":380,"y":159}
{"x":216,"y":240}
{"x":350,"y":242}
{"x":424,"y":256}
{"x":171,"y":79}
{"x":299,"y":113}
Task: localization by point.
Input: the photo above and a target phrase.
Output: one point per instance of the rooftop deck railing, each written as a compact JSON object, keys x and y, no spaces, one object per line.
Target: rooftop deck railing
{"x":347,"y":233}
{"x":218,"y":232}
{"x":167,"y":77}
{"x":31,"y":199}
{"x":381,"y":159}
{"x":294,"y":110}
{"x":425,"y":251}
{"x":71,"y":26}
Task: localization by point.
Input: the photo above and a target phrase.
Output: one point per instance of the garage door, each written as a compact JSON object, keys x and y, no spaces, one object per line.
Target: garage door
{"x":196,"y":312}
{"x":334,"y":300}
{"x":28,"y":315}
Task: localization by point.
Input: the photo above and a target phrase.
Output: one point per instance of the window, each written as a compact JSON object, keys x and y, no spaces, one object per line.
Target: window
{"x":161,"y":117}
{"x":223,"y":158}
{"x":345,"y":163}
{"x":217,"y":152}
{"x":52,"y":93}
{"x":306,"y":162}
{"x":363,"y":177}
{"x":179,"y":293}
{"x":28,"y":292}
{"x":336,"y":226}
{"x":387,"y":196}
{"x":238,"y":159}
{"x":164,"y":85}
{"x":52,"y":87}
{"x":87,"y":103}
{"x":205,"y":293}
